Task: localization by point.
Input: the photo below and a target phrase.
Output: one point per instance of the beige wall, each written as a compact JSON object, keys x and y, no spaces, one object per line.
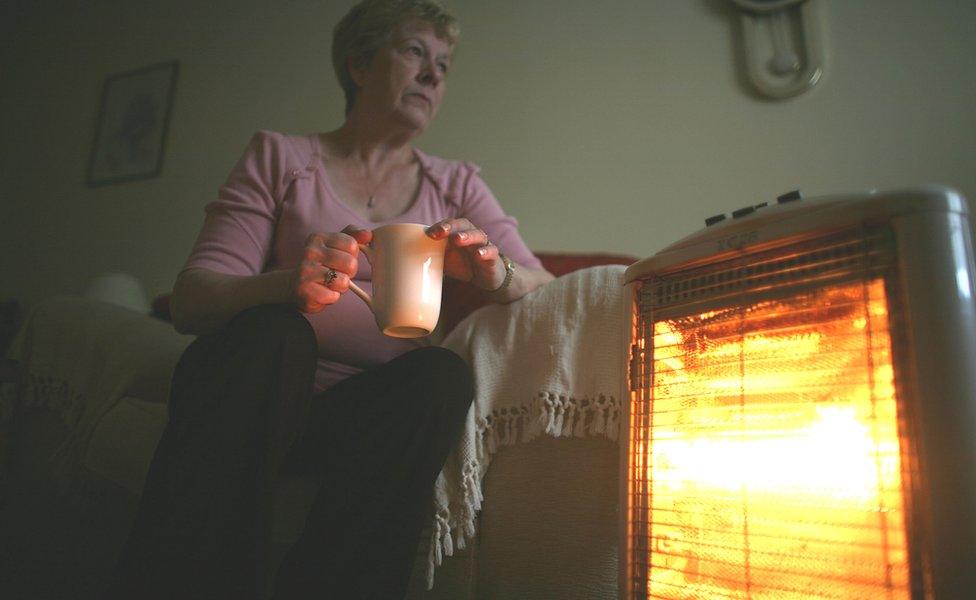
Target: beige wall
{"x":608,"y":126}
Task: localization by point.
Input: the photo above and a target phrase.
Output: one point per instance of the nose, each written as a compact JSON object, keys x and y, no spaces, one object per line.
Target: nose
{"x":429,"y":74}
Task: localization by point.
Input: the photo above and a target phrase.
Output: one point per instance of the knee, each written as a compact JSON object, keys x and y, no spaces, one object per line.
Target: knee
{"x":272,"y":326}
{"x":260,"y":345}
{"x":445,"y":375}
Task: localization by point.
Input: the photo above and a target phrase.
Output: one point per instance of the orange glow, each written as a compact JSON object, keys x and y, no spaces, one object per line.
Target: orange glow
{"x":772,"y":462}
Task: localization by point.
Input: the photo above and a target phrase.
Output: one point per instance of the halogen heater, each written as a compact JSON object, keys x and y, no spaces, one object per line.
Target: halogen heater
{"x":802,"y":415}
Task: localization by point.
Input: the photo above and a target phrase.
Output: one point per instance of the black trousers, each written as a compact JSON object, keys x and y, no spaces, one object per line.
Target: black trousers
{"x":241,"y":401}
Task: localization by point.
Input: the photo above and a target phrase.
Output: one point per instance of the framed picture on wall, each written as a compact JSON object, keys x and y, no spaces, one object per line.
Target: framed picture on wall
{"x":132,"y":120}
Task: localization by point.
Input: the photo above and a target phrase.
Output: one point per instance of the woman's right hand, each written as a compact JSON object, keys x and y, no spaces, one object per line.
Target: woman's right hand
{"x":325,"y":252}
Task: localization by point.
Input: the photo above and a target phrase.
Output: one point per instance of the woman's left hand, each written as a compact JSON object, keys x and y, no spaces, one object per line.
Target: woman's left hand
{"x":470,"y":255}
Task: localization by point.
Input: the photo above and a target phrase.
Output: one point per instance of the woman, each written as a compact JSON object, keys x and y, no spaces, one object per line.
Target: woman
{"x":286,"y":354}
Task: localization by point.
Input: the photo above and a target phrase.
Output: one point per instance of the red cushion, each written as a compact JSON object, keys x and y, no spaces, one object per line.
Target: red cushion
{"x":461,"y":299}
{"x":560,"y":264}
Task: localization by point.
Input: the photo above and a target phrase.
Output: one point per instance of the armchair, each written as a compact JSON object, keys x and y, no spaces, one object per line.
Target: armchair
{"x":81,"y":427}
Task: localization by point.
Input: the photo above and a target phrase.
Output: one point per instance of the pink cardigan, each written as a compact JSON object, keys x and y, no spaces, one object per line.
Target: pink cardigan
{"x":278,"y":194}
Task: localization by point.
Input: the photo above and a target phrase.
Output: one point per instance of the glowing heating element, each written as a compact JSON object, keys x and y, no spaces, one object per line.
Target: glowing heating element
{"x":769,"y":464}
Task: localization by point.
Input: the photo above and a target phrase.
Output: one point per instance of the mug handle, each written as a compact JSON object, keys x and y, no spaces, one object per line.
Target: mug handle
{"x":366,"y":250}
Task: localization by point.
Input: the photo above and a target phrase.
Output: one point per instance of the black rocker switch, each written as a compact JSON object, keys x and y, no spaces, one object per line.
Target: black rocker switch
{"x":745,"y":210}
{"x":714,"y":219}
{"x":789,"y":197}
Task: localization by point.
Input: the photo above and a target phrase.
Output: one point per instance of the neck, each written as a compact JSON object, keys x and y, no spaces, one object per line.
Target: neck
{"x":371,"y":141}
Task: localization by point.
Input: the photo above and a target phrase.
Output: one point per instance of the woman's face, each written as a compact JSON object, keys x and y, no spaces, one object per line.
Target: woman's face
{"x":405,"y":79}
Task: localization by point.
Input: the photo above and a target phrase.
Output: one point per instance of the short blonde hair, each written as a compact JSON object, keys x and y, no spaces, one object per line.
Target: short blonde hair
{"x":369,"y":25}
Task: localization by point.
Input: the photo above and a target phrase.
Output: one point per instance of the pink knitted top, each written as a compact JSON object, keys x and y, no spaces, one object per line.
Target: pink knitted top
{"x":278,"y":194}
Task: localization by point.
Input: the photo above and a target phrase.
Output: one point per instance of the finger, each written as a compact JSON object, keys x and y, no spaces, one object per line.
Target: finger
{"x":336,"y":240}
{"x":311,"y":273}
{"x":361,"y":236}
{"x":470,"y":237}
{"x":313,"y":237}
{"x":486,"y":254}
{"x":315,"y":292}
{"x":314,"y":298}
{"x":336,"y":281}
{"x":331,"y":258}
{"x":442,"y":229}
{"x":313,"y":278}
{"x":312,"y":294}
{"x":332,"y":279}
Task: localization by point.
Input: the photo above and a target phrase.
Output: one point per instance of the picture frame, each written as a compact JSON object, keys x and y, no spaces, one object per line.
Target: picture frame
{"x":133,"y":119}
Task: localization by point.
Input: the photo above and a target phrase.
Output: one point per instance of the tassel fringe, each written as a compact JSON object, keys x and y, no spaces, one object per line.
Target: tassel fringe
{"x":549,"y":413}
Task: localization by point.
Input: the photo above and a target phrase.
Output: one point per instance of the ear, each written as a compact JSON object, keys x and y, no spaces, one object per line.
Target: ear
{"x":357,"y":65}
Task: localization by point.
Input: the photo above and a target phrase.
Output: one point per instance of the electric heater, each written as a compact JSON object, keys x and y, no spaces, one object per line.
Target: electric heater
{"x":802,"y":419}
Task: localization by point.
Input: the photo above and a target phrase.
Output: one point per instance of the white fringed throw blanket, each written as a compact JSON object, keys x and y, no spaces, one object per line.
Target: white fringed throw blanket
{"x":555,"y":362}
{"x":80,"y":358}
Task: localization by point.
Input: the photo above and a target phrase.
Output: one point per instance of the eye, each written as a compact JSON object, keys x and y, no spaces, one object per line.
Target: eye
{"x":415,"y":50}
{"x":443,"y":67}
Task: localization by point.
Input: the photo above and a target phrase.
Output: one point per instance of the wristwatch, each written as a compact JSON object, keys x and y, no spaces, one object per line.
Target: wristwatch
{"x":509,"y":272}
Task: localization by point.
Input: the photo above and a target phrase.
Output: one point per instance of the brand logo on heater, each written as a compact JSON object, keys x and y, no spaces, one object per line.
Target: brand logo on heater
{"x":737,"y":241}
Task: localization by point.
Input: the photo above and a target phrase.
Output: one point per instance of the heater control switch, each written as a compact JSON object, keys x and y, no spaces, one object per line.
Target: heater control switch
{"x":791,"y":196}
{"x":714,"y":219}
{"x":745,"y":210}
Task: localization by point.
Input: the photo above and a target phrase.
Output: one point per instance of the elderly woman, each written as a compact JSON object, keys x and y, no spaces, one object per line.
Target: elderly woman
{"x":288,"y":362}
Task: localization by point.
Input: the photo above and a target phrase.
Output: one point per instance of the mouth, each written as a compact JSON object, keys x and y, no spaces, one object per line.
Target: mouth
{"x":422,"y":97}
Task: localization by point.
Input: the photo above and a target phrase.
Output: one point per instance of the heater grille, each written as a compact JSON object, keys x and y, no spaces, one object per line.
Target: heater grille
{"x":812,"y":263}
{"x":764,"y":459}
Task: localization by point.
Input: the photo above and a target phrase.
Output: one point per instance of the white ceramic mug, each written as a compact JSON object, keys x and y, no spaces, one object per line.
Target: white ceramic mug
{"x":408,"y":270}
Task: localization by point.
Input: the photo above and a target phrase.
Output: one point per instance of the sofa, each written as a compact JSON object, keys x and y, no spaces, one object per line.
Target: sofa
{"x":79,"y":424}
